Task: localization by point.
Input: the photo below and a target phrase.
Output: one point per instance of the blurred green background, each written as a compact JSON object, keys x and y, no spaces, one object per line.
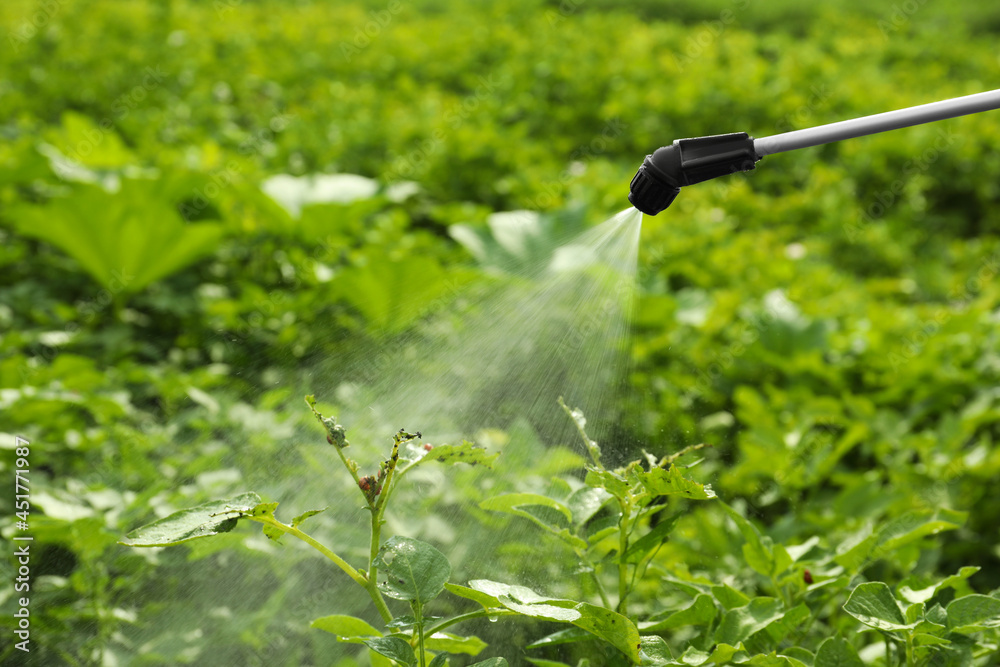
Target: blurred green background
{"x":830,"y":322}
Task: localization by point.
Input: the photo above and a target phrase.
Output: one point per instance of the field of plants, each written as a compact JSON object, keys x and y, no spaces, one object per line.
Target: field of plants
{"x":207,"y":208}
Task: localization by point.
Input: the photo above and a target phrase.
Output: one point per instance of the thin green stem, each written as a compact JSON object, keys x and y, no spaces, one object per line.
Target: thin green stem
{"x":368,"y":583}
{"x":781,"y":591}
{"x":418,"y":615}
{"x":376,"y":536}
{"x":351,"y":469}
{"x":622,"y":557}
{"x":592,"y":569}
{"x":378,"y":509}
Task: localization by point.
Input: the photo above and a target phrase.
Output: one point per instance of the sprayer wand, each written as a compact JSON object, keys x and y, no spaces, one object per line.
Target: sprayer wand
{"x":688,"y":161}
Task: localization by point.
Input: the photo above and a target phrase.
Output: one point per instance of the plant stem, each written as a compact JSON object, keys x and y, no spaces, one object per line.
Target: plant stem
{"x":368,"y":583}
{"x":622,"y":558}
{"x":781,"y":591}
{"x":376,"y":536}
{"x":418,"y":615}
{"x":378,"y":509}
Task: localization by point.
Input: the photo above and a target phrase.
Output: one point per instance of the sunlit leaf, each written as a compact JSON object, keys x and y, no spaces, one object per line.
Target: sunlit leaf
{"x":836,"y":652}
{"x":739,"y":624}
{"x":873,"y":604}
{"x":443,"y":641}
{"x":347,"y":628}
{"x":701,"y":611}
{"x":973,"y":613}
{"x":393,"y":648}
{"x":415,"y":571}
{"x":217,"y":516}
{"x":660,"y":482}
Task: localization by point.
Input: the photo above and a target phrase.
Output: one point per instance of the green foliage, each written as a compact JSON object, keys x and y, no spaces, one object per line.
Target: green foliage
{"x":204,"y":520}
{"x":416,"y":571}
{"x":196,"y":217}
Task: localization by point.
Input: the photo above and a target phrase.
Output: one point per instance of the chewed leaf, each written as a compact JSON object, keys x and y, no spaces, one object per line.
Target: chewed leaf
{"x":580,"y":421}
{"x":212,"y":518}
{"x":662,"y":482}
{"x":467,"y":452}
{"x":263,"y":509}
{"x":297,"y":521}
{"x":610,"y":481}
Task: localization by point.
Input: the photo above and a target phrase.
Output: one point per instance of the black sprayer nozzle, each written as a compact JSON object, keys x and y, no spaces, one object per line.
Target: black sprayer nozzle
{"x":687,"y":161}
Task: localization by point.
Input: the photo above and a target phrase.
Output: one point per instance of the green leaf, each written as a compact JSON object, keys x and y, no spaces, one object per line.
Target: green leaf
{"x":393,"y":648}
{"x":273,"y":533}
{"x":467,"y":452}
{"x":740,"y":623}
{"x":724,"y":653}
{"x":263,"y":509}
{"x":926,"y":593}
{"x":915,"y":525}
{"x":580,"y":421}
{"x":973,"y":613}
{"x":774,"y":660}
{"x":415,"y":570}
{"x":701,"y":611}
{"x":518,"y":504}
{"x":407,"y":622}
{"x":873,"y":604}
{"x":212,"y":518}
{"x":439,"y":660}
{"x":585,"y":502}
{"x":655,"y":651}
{"x":610,"y":481}
{"x":444,"y":641}
{"x":346,"y":628}
{"x":729,"y":597}
{"x":491,"y":662}
{"x":538,"y":662}
{"x":837,"y":652}
{"x":608,"y":625}
{"x":126,"y":239}
{"x":756,"y":550}
{"x":567,"y":636}
{"x":789,"y":620}
{"x":297,"y":521}
{"x":486,"y":600}
{"x":651,"y":540}
{"x":660,"y":482}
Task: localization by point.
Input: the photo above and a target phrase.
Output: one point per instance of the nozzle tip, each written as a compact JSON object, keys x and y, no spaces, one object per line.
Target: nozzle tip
{"x":649,"y":194}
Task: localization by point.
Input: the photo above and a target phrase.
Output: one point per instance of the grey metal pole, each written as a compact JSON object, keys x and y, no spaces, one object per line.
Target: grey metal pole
{"x":882,"y":122}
